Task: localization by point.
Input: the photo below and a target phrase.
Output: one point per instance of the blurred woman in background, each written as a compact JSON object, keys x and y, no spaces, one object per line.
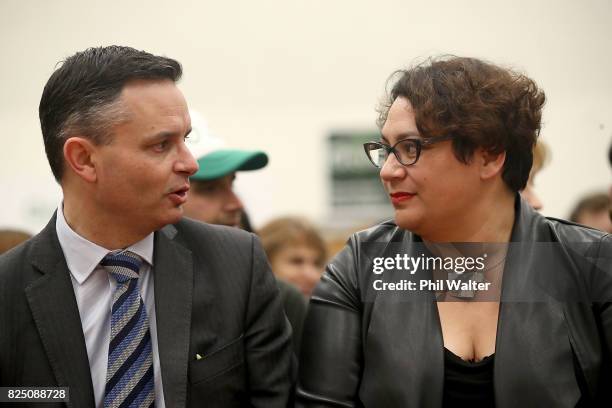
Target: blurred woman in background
{"x":593,"y":210}
{"x":10,"y":238}
{"x":541,"y":156}
{"x":296,"y":251}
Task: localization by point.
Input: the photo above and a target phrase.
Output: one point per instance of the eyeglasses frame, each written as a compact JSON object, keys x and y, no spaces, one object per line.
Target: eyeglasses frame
{"x":420,"y":143}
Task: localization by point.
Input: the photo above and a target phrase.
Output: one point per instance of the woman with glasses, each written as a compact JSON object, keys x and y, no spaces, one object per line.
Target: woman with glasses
{"x":468,"y":297}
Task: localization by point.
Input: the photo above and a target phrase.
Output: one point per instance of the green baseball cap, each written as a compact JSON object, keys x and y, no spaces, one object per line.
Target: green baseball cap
{"x":224,"y":161}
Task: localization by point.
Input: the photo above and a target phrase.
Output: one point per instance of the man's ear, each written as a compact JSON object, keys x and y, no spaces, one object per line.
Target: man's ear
{"x":78,"y":153}
{"x":491,"y":164}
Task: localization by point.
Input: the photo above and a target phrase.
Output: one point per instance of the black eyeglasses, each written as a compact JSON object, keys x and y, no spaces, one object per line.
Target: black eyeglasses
{"x":406,"y":151}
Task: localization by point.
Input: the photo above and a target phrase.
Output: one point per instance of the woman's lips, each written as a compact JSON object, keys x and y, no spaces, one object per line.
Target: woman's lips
{"x":397,"y":198}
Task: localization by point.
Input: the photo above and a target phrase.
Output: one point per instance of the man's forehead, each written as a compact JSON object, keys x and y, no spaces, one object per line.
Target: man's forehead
{"x":158,"y":94}
{"x":159,"y":103}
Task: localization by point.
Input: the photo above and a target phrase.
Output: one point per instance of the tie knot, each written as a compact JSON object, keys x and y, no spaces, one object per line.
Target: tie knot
{"x":123,"y":265}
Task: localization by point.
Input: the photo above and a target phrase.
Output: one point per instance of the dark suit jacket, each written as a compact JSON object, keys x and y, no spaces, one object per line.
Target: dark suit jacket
{"x":214,"y":295}
{"x":363,"y":348}
{"x":295,"y":305}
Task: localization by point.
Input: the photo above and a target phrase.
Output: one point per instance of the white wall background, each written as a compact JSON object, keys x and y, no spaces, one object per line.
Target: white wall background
{"x":278,"y":75}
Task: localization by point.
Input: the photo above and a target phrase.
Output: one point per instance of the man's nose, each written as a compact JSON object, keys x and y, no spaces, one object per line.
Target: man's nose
{"x":186,"y":162}
{"x":233,"y":202}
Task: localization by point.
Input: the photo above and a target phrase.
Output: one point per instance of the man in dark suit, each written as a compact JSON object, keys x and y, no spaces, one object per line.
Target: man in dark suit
{"x":118,"y":298}
{"x":214,"y":201}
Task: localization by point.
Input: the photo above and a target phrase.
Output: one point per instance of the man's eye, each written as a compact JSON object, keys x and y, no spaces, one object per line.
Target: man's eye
{"x":161,"y":146}
{"x":207,"y":189}
{"x":186,"y":137}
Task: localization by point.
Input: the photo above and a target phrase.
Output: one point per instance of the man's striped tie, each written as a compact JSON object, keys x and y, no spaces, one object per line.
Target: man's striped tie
{"x":129,"y":375}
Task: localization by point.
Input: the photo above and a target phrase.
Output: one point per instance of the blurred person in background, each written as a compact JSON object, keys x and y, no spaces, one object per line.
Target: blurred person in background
{"x":610,"y":162}
{"x":10,"y":238}
{"x":541,"y":156}
{"x":296,"y":251}
{"x":593,"y":210}
{"x":297,"y":254}
{"x":457,"y":138}
{"x":212,"y":199}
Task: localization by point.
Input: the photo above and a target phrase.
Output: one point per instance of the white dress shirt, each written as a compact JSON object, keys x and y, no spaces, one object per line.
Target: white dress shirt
{"x":93,"y":289}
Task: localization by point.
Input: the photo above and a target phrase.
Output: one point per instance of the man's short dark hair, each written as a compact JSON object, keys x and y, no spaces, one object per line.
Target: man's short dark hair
{"x":480,"y":104}
{"x":82,"y":94}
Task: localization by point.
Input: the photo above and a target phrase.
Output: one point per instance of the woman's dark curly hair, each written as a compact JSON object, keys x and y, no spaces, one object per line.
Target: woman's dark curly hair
{"x":479,"y":103}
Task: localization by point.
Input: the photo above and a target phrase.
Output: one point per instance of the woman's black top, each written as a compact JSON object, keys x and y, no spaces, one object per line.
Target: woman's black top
{"x":468,"y":384}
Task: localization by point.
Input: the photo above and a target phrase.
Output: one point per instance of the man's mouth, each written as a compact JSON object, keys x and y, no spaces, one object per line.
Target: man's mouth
{"x":179,"y":196}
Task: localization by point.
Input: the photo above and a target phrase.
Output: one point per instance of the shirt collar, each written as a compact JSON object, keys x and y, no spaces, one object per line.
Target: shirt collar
{"x":82,"y":256}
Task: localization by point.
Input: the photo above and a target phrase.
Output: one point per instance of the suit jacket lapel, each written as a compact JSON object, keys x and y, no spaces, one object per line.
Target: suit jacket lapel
{"x":404,"y":363}
{"x":532,"y":335}
{"x":173,"y":277}
{"x":56,"y":316}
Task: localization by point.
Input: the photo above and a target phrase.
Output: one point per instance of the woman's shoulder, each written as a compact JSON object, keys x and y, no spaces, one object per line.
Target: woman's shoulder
{"x":349,"y":271}
{"x":385,"y":231}
{"x":580,"y":240}
{"x":353,"y":260}
{"x":588,"y":252}
{"x":567,"y":231}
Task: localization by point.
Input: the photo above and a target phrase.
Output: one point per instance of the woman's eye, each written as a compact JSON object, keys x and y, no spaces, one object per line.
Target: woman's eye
{"x":407,"y":149}
{"x":296,"y":261}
